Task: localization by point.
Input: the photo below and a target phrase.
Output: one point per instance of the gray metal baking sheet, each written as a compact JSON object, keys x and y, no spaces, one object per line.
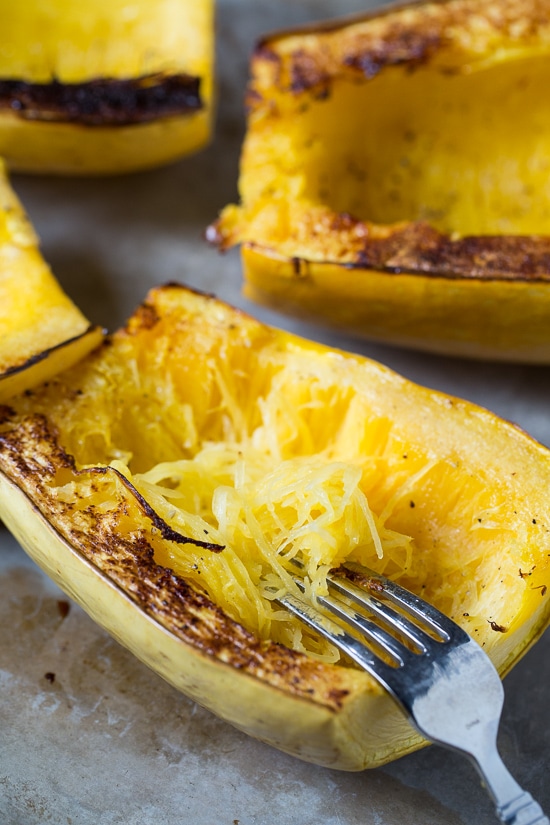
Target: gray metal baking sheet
{"x":88,"y":735}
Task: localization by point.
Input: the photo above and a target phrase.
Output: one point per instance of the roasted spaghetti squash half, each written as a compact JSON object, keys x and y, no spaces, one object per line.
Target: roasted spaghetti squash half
{"x":104,"y":86}
{"x":167,"y":481}
{"x":394,"y":177}
{"x":41,"y":330}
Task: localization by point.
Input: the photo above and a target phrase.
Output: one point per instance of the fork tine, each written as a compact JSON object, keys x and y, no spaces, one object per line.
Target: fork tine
{"x":427,"y":617}
{"x":384,"y":612}
{"x":371,"y":632}
{"x":339,"y":637}
{"x":422,"y":611}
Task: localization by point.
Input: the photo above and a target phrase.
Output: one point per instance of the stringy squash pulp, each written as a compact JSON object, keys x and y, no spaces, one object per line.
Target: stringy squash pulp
{"x":199,"y":447}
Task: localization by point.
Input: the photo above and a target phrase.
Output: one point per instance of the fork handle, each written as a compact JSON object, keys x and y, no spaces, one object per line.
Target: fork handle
{"x":522,"y":811}
{"x":514,"y":806}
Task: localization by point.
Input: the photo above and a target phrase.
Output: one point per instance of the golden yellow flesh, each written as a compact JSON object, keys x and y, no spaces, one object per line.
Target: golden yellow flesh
{"x":41,"y":330}
{"x":162,"y":406}
{"x":73,"y":42}
{"x":467,"y":152}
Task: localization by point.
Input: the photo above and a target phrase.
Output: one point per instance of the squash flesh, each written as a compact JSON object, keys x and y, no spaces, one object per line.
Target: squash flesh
{"x":466,"y":152}
{"x":102,"y":38}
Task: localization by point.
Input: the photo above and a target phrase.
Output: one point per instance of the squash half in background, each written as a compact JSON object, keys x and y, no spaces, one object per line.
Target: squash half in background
{"x":395,"y":177}
{"x":41,"y":331}
{"x":104,"y":86}
{"x":166,"y":481}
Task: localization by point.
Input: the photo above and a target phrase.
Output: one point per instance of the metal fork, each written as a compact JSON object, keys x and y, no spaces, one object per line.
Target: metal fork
{"x":439,"y":676}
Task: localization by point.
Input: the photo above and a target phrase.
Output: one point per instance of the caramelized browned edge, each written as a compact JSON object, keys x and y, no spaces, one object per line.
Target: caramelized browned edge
{"x":31,"y":456}
{"x":103,"y":101}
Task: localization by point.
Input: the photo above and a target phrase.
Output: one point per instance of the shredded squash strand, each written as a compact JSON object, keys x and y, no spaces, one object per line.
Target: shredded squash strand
{"x":266,"y":511}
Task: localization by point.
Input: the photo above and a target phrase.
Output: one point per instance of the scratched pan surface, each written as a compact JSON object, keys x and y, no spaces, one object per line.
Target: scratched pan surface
{"x":88,"y":736}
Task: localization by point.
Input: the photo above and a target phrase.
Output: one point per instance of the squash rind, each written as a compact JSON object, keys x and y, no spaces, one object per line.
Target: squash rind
{"x":463,"y":317}
{"x":47,"y":363}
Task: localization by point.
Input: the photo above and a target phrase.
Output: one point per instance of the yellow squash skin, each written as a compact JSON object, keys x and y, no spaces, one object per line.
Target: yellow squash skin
{"x":41,"y":331}
{"x":71,"y":48}
{"x":394,"y":177}
{"x":477,"y":482}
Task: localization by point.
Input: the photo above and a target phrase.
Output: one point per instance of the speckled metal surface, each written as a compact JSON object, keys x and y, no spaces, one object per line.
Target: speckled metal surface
{"x":88,"y":736}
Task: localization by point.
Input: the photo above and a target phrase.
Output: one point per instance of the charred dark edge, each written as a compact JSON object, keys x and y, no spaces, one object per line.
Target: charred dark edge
{"x":41,"y":356}
{"x":145,"y":316}
{"x":164,"y":529}
{"x":338,"y":23}
{"x":448,"y":276}
{"x":410,"y":48}
{"x":420,"y":250}
{"x":401,"y":46}
{"x":403,"y":43}
{"x":175,"y":606}
{"x":179,"y":611}
{"x":103,"y":101}
{"x":167,"y":598}
{"x":68,"y":460}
